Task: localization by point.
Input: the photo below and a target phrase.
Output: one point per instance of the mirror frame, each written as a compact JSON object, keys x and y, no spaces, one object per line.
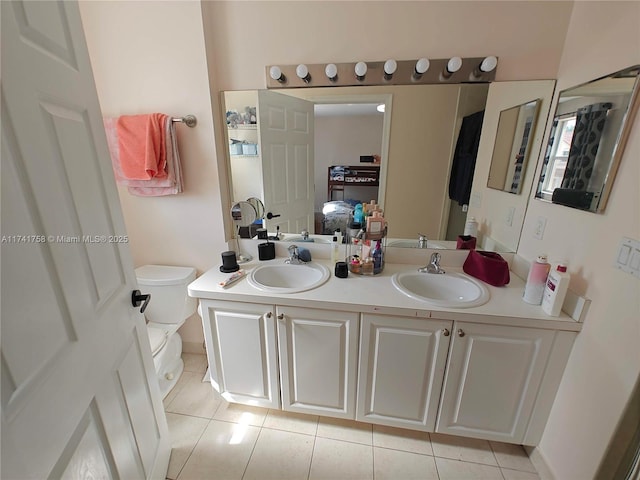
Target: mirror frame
{"x":493,"y":167}
{"x":619,"y":146}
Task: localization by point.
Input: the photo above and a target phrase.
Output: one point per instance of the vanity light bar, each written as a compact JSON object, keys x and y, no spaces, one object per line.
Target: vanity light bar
{"x":344,"y":74}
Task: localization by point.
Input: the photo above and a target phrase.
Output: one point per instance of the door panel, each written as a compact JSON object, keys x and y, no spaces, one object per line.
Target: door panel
{"x":492,"y":380}
{"x":79,"y":387}
{"x":318,"y":360}
{"x":287,"y":147}
{"x":402,"y":363}
{"x":241,"y":344}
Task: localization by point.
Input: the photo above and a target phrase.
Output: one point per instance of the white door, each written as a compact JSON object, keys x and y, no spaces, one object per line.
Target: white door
{"x":402,"y":363}
{"x":79,"y":395}
{"x":318,"y":361}
{"x":286,"y":143}
{"x":241,"y":348}
{"x":492,"y":380}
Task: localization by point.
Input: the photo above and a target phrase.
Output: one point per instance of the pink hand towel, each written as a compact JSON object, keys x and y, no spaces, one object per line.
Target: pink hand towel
{"x":142,"y":145}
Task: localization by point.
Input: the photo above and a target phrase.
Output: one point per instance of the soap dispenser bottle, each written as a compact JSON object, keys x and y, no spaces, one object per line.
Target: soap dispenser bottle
{"x":536,"y":281}
{"x":335,"y":250}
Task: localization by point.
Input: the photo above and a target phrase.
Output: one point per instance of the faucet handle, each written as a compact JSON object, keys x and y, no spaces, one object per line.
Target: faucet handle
{"x":435,"y":258}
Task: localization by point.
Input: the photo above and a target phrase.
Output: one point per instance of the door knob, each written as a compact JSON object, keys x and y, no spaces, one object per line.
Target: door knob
{"x":137,"y":298}
{"x":461,"y":332}
{"x":272,"y":215}
{"x":445,"y":332}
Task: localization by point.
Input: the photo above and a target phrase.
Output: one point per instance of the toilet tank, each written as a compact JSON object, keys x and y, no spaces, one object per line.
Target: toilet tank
{"x":167,"y":285}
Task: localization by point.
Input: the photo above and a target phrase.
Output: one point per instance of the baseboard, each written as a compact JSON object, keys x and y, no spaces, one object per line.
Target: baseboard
{"x":538,"y":460}
{"x":193,"y":347}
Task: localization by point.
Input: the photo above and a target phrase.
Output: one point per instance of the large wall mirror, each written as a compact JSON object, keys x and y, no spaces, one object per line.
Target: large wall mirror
{"x":590,"y":128}
{"x":414,"y":138}
{"x":512,"y":147}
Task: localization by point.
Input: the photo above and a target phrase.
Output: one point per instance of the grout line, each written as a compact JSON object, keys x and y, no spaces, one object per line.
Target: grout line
{"x":313,"y":451}
{"x":436,"y":464}
{"x":494,"y":454}
{"x":255,"y":444}
{"x":194,"y":446}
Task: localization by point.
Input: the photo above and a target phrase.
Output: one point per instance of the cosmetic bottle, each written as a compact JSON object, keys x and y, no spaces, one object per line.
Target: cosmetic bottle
{"x":555,"y":290}
{"x":471,"y":227}
{"x":375,"y":224}
{"x":335,"y":250}
{"x":536,"y":281}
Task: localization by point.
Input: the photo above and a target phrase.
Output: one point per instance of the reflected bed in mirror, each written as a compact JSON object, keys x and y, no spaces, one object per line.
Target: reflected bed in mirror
{"x":590,"y":128}
{"x":512,"y":147}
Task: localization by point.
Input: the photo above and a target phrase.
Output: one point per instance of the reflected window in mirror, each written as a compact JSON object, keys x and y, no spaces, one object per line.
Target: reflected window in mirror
{"x":512,"y":147}
{"x":586,"y":141}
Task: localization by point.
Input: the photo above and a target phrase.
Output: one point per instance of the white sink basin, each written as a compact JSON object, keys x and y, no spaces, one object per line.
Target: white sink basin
{"x":308,"y":240}
{"x":455,"y":290}
{"x":413,"y":244}
{"x":286,"y":278}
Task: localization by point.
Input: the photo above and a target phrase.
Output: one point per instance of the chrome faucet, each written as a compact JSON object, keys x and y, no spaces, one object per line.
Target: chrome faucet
{"x":294,"y":257}
{"x":305,"y":234}
{"x":433,"y":266}
{"x":422,"y":241}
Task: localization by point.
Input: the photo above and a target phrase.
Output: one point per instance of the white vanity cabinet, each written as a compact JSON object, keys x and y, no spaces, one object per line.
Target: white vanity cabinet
{"x":241,"y":349}
{"x":500,"y":381}
{"x":318,"y":360}
{"x":402,"y":363}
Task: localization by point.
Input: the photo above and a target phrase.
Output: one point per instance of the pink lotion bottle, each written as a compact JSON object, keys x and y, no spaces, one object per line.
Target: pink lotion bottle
{"x":536,"y":281}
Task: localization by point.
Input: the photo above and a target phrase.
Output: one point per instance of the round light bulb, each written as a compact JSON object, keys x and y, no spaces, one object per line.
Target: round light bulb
{"x":390,"y":67}
{"x":331,"y":71}
{"x":454,"y":64}
{"x":422,"y":65}
{"x":361,"y":69}
{"x":275,"y":73}
{"x":488,"y":64}
{"x":381,"y":108}
{"x":302,"y":71}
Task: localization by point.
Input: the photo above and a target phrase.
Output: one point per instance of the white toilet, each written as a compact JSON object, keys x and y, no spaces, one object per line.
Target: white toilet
{"x":168,"y":308}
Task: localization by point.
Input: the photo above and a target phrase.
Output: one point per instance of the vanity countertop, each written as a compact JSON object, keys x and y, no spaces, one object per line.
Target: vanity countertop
{"x":376,"y":294}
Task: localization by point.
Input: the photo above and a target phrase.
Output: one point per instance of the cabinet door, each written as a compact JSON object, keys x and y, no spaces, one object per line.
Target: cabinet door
{"x":241,"y":348}
{"x":492,"y":380}
{"x":318,"y":361}
{"x":402,"y":363}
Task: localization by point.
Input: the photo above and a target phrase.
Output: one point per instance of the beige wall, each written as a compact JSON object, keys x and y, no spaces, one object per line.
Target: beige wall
{"x":605,"y":361}
{"x":526,"y":36}
{"x":491,"y":212}
{"x":341,"y":141}
{"x":150,"y":57}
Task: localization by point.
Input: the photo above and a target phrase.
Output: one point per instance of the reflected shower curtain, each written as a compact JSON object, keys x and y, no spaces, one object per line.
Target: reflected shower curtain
{"x":590,"y":122}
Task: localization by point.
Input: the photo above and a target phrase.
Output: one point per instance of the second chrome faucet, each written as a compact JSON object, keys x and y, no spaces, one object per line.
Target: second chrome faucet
{"x":433,"y":266}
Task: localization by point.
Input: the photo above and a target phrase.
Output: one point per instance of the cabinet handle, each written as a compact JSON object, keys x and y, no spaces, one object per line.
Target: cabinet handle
{"x":281,"y":316}
{"x":268,"y":315}
{"x":461,"y":332}
{"x":445,"y":332}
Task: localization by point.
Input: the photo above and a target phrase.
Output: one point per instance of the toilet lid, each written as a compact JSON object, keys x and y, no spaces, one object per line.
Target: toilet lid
{"x":157,"y":339}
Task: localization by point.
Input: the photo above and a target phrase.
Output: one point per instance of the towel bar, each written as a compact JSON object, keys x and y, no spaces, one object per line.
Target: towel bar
{"x":189,"y":120}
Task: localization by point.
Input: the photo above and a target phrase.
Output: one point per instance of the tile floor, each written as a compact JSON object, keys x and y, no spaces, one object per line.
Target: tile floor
{"x":216,"y":440}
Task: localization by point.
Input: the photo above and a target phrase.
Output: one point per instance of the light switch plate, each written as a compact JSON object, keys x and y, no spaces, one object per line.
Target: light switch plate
{"x":509,"y":218}
{"x":628,"y":256}
{"x":538,"y":230}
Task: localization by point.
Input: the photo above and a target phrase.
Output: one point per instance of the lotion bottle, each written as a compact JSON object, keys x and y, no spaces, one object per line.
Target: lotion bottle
{"x":536,"y":281}
{"x":555,"y":290}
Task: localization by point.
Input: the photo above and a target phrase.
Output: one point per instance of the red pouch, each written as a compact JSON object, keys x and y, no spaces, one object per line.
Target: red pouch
{"x":466,"y":242}
{"x":489,"y":267}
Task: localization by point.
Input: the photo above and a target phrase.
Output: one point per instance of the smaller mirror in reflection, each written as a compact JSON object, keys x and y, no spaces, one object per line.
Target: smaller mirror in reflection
{"x":511,"y":150}
{"x":590,"y":127}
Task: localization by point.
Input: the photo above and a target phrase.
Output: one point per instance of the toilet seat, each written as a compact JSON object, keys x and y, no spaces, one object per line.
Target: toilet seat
{"x":157,"y":339}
